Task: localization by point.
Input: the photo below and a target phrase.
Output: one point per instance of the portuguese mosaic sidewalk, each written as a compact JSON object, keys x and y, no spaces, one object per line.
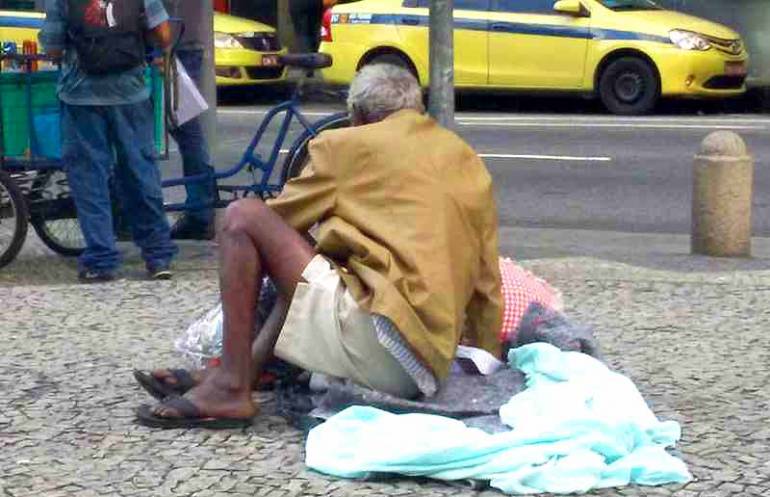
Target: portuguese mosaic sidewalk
{"x":692,"y":333}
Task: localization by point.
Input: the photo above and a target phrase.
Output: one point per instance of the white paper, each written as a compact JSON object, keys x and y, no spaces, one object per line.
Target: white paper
{"x":480,"y":360}
{"x":189,"y":101}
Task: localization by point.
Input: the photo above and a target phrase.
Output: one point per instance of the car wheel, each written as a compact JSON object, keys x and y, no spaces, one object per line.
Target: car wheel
{"x":392,"y":59}
{"x":629,"y":86}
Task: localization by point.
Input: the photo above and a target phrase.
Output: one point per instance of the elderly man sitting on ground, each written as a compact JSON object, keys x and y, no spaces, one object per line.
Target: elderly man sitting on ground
{"x":405,"y":261}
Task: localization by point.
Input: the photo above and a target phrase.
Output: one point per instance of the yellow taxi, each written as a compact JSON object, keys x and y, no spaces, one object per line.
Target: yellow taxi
{"x":628,"y":52}
{"x":246,"y":52}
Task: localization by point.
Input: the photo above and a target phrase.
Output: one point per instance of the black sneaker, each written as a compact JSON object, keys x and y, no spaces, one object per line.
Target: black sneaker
{"x":187,"y":229}
{"x":95,"y":276}
{"x":162,"y":272}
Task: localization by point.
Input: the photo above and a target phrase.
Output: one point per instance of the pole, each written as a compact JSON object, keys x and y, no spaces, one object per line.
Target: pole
{"x":208,"y":79}
{"x":723,"y":184}
{"x":441,"y":95}
{"x":285,"y":25}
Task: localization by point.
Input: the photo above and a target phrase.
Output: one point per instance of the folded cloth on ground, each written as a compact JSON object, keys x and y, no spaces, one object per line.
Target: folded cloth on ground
{"x":544,"y":324}
{"x":578,"y":426}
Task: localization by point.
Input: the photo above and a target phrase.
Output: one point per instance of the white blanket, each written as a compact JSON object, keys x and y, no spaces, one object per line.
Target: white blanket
{"x":577,"y":426}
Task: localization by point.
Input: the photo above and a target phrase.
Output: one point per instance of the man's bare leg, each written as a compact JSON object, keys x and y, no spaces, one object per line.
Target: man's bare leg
{"x":264,"y":342}
{"x":253,"y":241}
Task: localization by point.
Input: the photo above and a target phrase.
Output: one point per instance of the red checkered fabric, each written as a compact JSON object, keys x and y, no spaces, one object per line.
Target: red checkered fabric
{"x":520,"y":289}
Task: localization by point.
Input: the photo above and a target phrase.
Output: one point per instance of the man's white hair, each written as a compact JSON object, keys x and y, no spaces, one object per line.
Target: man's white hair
{"x":379,"y":90}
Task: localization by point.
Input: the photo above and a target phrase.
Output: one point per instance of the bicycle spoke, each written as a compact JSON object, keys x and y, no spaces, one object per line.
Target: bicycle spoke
{"x":53,"y":214}
{"x":66,"y":231}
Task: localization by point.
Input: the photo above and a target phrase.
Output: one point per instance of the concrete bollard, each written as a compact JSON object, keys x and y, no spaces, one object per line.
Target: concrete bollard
{"x":723,"y":179}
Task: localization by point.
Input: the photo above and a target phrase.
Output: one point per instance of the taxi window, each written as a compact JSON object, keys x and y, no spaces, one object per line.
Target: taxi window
{"x":524,"y":6}
{"x":482,"y":5}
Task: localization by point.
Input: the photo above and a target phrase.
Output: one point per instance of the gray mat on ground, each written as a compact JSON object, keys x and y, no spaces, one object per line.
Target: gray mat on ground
{"x":475,"y":399}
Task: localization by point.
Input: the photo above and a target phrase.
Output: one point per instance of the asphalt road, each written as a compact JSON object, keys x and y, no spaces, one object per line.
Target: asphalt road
{"x":581,"y":169}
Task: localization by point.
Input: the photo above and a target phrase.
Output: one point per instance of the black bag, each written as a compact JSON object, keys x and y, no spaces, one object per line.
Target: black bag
{"x":108,"y":35}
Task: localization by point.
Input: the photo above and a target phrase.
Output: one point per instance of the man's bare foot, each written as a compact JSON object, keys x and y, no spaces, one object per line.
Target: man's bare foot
{"x":216,"y":397}
{"x":170,"y":377}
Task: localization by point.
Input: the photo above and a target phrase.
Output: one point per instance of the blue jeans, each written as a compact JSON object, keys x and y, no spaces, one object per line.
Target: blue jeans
{"x":194,"y":150}
{"x":94,"y":137}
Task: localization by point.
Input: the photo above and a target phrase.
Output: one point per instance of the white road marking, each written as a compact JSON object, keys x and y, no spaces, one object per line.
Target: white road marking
{"x":259,"y":112}
{"x":632,"y":120}
{"x":571,"y":158}
{"x":572,"y":121}
{"x":462,"y":122}
{"x":284,"y":151}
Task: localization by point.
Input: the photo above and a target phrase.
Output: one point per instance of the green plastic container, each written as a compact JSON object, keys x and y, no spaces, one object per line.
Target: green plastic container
{"x":14,"y":103}
{"x":16,"y":99}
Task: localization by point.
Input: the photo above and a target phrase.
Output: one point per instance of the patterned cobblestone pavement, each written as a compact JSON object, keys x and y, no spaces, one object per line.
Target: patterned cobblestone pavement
{"x":691,"y":332}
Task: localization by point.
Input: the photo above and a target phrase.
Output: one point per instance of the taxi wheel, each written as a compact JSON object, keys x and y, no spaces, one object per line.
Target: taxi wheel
{"x":629,"y":86}
{"x":394,"y":60}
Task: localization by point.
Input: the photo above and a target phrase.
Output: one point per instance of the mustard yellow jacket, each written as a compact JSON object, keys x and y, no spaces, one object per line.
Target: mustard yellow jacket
{"x":406,"y":211}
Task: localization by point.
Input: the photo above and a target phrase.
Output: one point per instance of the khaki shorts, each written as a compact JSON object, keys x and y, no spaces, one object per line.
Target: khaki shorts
{"x":327,"y":332}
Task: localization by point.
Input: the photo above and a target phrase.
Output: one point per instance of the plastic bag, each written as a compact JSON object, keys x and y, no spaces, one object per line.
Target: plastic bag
{"x":201,"y":342}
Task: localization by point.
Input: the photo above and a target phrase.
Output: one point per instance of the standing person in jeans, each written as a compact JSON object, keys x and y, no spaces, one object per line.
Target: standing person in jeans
{"x":107,"y":119}
{"x":306,"y":16}
{"x":198,"y":222}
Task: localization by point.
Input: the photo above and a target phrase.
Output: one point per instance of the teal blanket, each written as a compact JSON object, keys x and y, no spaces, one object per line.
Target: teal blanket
{"x":578,"y":426}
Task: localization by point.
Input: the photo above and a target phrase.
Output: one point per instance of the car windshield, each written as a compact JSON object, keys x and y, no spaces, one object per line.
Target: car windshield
{"x":630,"y":4}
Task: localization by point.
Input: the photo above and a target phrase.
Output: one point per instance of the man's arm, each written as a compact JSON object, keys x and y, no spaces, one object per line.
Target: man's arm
{"x":53,"y":35}
{"x":306,"y":199}
{"x":485,"y":309}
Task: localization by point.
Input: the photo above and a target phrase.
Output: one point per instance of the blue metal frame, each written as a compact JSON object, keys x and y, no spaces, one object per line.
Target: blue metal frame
{"x":290,"y":110}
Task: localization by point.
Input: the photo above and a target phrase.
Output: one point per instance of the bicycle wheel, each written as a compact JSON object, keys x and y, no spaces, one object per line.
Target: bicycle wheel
{"x":13,"y":219}
{"x":53,"y":215}
{"x":297,"y":160}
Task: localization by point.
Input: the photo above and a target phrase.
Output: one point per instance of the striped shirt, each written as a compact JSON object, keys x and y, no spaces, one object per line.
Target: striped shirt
{"x":394,"y":343}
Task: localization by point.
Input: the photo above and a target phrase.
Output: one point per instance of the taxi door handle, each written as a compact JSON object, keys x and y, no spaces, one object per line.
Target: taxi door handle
{"x":498,"y":26}
{"x":410,"y":21}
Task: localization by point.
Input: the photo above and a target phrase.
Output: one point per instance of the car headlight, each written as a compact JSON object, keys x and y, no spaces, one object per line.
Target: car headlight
{"x":687,"y":40}
{"x":224,"y":40}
